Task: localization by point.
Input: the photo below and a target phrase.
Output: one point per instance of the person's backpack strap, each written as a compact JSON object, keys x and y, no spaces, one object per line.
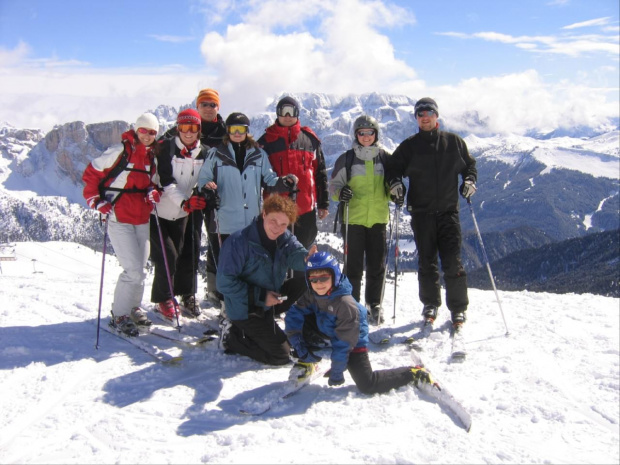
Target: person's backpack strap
{"x":120,"y":165}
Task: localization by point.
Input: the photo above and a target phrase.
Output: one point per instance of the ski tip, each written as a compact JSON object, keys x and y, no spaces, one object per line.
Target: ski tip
{"x":173,"y":360}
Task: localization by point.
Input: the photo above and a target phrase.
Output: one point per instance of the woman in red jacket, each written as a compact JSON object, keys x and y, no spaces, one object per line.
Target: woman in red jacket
{"x":118,"y":184}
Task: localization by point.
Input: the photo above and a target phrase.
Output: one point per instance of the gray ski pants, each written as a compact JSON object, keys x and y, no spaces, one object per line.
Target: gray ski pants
{"x":131,"y":246}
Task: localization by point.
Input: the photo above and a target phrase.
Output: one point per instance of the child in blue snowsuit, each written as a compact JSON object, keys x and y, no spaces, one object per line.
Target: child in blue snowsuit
{"x":341,"y":318}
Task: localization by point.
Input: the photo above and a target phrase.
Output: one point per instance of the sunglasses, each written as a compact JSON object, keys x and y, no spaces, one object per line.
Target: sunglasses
{"x":319,"y":279}
{"x":187,"y":127}
{"x":288,"y":110}
{"x":150,"y":132}
{"x":237,"y":129}
{"x":368,"y":132}
{"x":208,"y":104}
{"x":425,"y":113}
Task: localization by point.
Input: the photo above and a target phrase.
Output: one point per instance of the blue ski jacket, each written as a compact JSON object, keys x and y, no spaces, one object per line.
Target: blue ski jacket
{"x":239,"y":188}
{"x":338,"y":315}
{"x":246,"y":270}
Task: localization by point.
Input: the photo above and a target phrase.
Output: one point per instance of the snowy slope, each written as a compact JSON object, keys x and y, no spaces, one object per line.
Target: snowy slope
{"x":548,"y":393}
{"x":598,"y":156}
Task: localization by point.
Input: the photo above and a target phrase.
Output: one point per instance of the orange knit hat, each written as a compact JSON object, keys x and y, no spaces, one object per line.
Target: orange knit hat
{"x":208,"y":94}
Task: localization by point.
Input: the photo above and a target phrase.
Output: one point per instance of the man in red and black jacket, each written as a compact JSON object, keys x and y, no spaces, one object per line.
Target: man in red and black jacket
{"x":295,"y":149}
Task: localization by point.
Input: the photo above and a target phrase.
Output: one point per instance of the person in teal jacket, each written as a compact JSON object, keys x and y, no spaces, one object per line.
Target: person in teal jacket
{"x":251,"y":270}
{"x":359,"y":180}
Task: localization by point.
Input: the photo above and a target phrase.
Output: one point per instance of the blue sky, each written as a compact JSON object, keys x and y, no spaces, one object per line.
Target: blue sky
{"x":72,"y":60}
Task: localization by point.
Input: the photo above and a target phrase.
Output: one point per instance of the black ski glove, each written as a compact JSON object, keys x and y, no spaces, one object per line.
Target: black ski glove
{"x":346,"y":194}
{"x":212,"y":198}
{"x":397,"y":193}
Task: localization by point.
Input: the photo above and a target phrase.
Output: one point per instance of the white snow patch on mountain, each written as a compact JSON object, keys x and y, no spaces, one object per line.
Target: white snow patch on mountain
{"x":598,"y":156}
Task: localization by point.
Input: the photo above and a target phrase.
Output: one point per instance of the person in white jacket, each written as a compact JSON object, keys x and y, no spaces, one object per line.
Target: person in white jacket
{"x":178,"y":165}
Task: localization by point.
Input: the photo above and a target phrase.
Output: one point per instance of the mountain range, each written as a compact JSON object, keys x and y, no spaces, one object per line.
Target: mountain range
{"x":534,"y":190}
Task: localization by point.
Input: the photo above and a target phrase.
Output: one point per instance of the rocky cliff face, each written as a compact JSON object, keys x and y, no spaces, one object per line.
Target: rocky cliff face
{"x":70,"y":147}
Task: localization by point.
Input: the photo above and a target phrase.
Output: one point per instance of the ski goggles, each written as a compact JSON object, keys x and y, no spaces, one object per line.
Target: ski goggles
{"x":425,"y":113}
{"x":288,"y":110}
{"x":237,"y":129}
{"x":188,"y":127}
{"x":366,"y":132}
{"x":150,"y":132}
{"x":319,"y":279}
{"x":208,"y":104}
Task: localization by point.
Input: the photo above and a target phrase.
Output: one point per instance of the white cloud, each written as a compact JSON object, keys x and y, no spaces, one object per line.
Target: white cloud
{"x":41,"y":97}
{"x":612,"y":29}
{"x":519,"y":102}
{"x":15,"y":56}
{"x":172,"y":39}
{"x":336,"y":46}
{"x":570,"y":45}
{"x":346,"y":54}
{"x":589,"y":23}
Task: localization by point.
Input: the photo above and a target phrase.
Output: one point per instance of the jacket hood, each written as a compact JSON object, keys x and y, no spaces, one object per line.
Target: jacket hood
{"x":366,"y":153}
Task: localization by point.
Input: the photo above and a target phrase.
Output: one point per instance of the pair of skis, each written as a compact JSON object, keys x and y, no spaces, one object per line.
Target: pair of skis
{"x":420,"y":339}
{"x":169,"y":331}
{"x":146,"y":345}
{"x":458,"y":352}
{"x":312,"y":372}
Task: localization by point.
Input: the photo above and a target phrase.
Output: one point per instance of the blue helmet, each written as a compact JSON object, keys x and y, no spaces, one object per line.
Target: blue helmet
{"x":324,"y":261}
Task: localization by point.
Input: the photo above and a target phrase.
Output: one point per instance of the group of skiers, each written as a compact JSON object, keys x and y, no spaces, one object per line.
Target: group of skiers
{"x":260,"y":201}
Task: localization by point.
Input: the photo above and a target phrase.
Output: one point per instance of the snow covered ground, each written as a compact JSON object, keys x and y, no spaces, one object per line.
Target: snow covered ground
{"x":547,"y":393}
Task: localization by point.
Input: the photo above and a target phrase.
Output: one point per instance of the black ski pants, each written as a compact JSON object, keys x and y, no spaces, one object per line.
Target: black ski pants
{"x":213,"y":256}
{"x":366,"y":243}
{"x":435,"y":234}
{"x":182,"y":263}
{"x":375,"y":382}
{"x":260,"y":338}
{"x":213,"y":251}
{"x":305,"y":230}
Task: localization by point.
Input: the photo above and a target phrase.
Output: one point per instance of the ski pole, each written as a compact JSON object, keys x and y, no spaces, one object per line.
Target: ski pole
{"x":486,"y":259}
{"x":387,"y":257}
{"x":346,"y":236}
{"x":194,"y":260}
{"x":105,"y":243}
{"x":336,"y":217}
{"x":217,"y":227}
{"x":396,"y":253}
{"x":293,"y":196}
{"x":165,"y":254}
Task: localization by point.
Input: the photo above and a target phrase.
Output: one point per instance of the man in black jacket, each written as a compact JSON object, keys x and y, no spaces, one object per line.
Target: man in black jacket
{"x":433,"y":160}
